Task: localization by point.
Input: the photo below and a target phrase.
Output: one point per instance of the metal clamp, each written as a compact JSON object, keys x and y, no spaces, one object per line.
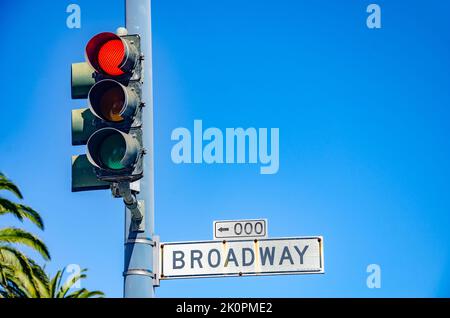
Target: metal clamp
{"x":156,"y":260}
{"x":142,"y":272}
{"x":155,"y":274}
{"x":140,"y":241}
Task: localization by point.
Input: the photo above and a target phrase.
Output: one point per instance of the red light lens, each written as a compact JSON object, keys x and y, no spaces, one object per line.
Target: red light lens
{"x":110,"y":57}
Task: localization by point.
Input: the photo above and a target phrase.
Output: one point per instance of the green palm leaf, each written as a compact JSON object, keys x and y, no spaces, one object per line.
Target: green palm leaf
{"x":6,"y":184}
{"x":54,"y":284}
{"x":18,"y":270}
{"x":21,"y":211}
{"x":57,"y":290}
{"x":7,"y":206}
{"x":12,"y":290}
{"x":14,"y":235}
{"x":40,"y":280}
{"x":84,"y":293}
{"x":69,"y":283}
{"x":77,"y":294}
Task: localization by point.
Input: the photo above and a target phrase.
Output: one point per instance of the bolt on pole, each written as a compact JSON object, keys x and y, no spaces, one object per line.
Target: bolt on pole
{"x":138,"y":266}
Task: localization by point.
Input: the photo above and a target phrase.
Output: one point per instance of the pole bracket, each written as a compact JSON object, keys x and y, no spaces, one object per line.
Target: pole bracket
{"x":136,"y":207}
{"x":155,"y":274}
{"x":137,"y":216}
{"x":156,"y":260}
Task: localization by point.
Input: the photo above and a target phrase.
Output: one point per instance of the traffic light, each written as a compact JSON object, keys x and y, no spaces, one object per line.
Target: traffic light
{"x":111,"y":127}
{"x":113,"y":55}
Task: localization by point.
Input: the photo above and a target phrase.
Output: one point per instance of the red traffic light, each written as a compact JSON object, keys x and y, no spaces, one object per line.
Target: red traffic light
{"x":110,"y":54}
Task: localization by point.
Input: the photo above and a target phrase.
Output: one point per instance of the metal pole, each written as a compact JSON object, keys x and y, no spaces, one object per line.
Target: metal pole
{"x":138,"y":267}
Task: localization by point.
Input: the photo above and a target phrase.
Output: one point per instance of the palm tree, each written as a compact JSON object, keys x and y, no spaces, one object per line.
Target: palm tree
{"x":46,"y":287}
{"x":20,"y":276}
{"x":14,"y":235}
{"x":15,"y":268}
{"x":58,"y":290}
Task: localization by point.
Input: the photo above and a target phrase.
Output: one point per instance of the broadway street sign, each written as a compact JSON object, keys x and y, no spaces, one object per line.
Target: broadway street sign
{"x":302,"y":255}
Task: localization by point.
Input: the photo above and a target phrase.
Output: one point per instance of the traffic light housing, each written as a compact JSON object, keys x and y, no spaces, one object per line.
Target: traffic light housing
{"x":111,"y":128}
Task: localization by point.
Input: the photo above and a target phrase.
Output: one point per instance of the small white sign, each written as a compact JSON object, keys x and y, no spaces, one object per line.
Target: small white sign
{"x":303,"y":255}
{"x":240,"y":229}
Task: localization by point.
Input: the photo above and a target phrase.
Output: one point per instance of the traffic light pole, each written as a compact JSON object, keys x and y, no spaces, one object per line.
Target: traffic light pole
{"x":139,"y":245}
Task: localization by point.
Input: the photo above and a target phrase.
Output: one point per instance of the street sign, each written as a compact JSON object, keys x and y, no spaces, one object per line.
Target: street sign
{"x":302,"y":255}
{"x":240,"y":229}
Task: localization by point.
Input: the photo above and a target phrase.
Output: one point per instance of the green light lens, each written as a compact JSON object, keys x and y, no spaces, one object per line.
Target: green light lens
{"x":112,"y":151}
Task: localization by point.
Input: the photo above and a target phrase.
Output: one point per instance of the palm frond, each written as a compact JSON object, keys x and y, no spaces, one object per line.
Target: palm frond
{"x":6,"y":184}
{"x":70,"y":282}
{"x":21,"y":212}
{"x":12,"y":290}
{"x":19,"y":269}
{"x":15,"y":235}
{"x":77,"y":293}
{"x":40,"y":279}
{"x":7,"y":206}
{"x":32,"y":215}
{"x":55,"y":283}
{"x":88,"y":294}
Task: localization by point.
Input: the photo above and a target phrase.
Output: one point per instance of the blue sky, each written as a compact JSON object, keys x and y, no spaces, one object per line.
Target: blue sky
{"x":363,"y":118}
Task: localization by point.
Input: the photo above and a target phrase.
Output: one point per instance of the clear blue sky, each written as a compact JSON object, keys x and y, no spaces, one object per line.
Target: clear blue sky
{"x":364,"y":136}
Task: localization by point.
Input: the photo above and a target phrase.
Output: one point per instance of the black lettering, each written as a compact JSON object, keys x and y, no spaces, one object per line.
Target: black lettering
{"x":196,"y":257}
{"x":248,"y":228}
{"x":238,"y":229}
{"x":231,"y":257}
{"x":266,"y":253}
{"x":179,"y":258}
{"x":301,"y":253}
{"x":258,"y":228}
{"x":210,"y":258}
{"x":286,"y":254}
{"x":244,"y":259}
